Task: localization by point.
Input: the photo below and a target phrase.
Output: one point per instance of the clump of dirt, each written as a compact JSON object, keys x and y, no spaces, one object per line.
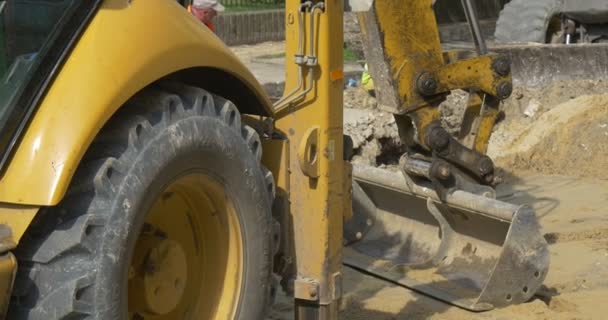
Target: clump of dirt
{"x":374,"y":133}
{"x":452,"y":111}
{"x":562,"y":305}
{"x":375,"y":139}
{"x":594,"y":234}
{"x":569,"y":139}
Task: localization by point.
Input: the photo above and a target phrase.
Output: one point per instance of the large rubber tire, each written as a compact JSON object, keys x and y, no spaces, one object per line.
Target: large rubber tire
{"x":526,"y":20}
{"x":73,"y":260}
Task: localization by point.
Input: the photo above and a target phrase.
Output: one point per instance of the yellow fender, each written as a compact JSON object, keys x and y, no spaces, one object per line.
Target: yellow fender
{"x":127,"y":46}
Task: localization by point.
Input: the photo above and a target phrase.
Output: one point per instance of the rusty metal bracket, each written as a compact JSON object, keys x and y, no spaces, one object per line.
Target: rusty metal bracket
{"x":490,"y":73}
{"x":306,"y":289}
{"x":308,"y":152}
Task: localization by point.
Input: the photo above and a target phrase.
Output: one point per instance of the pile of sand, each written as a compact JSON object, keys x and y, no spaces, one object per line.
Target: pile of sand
{"x":570,"y":139}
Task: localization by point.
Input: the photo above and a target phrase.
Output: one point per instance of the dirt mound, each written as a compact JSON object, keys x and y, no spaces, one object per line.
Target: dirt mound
{"x":570,"y":139}
{"x":550,"y":96}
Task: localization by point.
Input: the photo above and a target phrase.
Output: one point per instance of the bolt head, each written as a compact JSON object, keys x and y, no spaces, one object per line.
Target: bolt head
{"x":426,"y":84}
{"x":313,"y":292}
{"x":444,"y":172}
{"x":504,"y":90}
{"x":438,"y":138}
{"x":502,"y":66}
{"x":486,"y":165}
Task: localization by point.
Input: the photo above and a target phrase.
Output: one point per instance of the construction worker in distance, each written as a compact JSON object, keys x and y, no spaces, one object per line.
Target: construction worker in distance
{"x":367,"y":82}
{"x":205,"y":11}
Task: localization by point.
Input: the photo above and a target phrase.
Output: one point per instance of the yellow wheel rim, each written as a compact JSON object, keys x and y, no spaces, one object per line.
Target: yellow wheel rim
{"x":188,"y":260}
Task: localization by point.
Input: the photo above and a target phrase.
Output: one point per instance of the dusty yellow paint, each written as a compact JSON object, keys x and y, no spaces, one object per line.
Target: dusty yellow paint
{"x":477,"y":125}
{"x":8,"y":271}
{"x":348,"y":189}
{"x":17,"y":218}
{"x":308,"y":153}
{"x":470,"y":73}
{"x":317,"y":204}
{"x":484,"y":132}
{"x":422,"y":118}
{"x":125,"y":48}
{"x":402,"y":44}
{"x":403,"y":40}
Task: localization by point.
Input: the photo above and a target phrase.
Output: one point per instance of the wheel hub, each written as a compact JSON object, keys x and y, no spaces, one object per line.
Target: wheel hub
{"x":187,"y":261}
{"x":162,"y":276}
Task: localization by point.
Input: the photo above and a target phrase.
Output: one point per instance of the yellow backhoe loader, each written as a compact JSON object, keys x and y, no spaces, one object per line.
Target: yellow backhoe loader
{"x":147,"y":175}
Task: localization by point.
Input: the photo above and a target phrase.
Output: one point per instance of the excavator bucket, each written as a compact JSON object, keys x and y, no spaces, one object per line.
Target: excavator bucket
{"x":472,"y":251}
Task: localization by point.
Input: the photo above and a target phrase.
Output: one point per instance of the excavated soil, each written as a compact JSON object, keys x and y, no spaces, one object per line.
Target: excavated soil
{"x":374,"y":133}
{"x":570,"y":139}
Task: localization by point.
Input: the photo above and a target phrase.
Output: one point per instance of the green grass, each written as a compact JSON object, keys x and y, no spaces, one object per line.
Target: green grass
{"x":348,"y":56}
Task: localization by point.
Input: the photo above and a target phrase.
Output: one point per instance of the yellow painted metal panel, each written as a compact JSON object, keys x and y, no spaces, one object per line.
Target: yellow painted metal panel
{"x":317,"y":203}
{"x":17,"y":219}
{"x":8,"y":271}
{"x":125,"y":47}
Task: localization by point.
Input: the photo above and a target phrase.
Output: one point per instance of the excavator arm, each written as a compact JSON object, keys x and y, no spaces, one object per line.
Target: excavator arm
{"x":412,"y":76}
